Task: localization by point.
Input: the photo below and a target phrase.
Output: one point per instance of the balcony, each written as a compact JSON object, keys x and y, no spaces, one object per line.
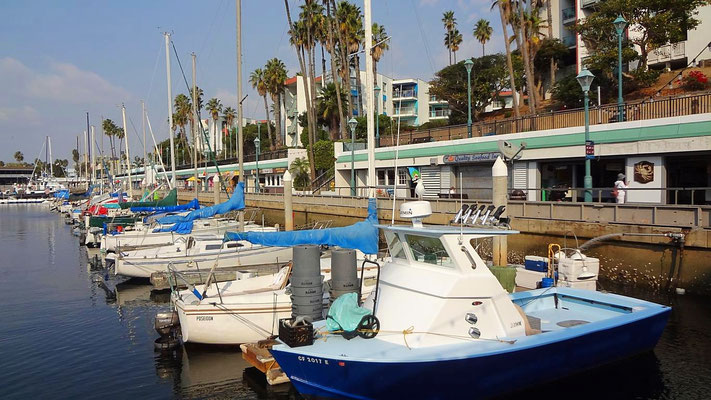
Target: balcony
{"x":568,"y":15}
{"x":669,"y":52}
{"x":397,"y":94}
{"x":588,"y":3}
{"x":439,"y":113}
{"x":405,"y":112}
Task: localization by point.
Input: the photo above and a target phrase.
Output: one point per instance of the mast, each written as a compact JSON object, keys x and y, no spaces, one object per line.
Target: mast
{"x":238,"y":4}
{"x":128,"y":156}
{"x":51,"y":167}
{"x":170,"y":108}
{"x":88,"y":148}
{"x":86,"y":160}
{"x":93,"y":155}
{"x":145,"y":155}
{"x":195,"y":121}
{"x":370,"y":97}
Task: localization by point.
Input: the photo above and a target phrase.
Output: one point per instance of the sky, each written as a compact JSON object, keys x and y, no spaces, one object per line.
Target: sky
{"x":62,"y":59}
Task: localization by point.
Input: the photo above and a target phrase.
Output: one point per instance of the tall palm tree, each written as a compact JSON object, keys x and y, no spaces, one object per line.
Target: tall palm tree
{"x":258,"y":81}
{"x":455,"y":41}
{"x":299,"y":169}
{"x":504,"y":7}
{"x":181,"y":117}
{"x":328,"y":107}
{"x":330,"y":21}
{"x":380,"y":45}
{"x":214,"y":107}
{"x":350,"y":21}
{"x":19,"y":157}
{"x":275,"y":75}
{"x":450,"y":22}
{"x":526,"y":55}
{"x":482,"y":33}
{"x":229,"y":114}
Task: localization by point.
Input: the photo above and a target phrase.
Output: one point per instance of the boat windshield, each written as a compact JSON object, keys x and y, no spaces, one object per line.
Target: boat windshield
{"x":395,"y":245}
{"x":429,"y":250}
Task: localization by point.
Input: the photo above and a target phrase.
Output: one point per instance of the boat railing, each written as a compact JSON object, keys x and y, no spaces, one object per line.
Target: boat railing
{"x":174,"y":275}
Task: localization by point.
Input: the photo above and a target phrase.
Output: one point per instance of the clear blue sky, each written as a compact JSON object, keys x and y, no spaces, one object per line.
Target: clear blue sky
{"x":60,"y":59}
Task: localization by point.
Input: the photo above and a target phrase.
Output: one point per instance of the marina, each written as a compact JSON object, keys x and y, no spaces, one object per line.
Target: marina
{"x":506,"y":228}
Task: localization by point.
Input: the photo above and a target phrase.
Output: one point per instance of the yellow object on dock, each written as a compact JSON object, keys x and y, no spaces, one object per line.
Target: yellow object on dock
{"x":258,"y":355}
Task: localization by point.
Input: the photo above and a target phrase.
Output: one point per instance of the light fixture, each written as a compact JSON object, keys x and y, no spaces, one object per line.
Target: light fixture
{"x":352,"y":123}
{"x":585,"y":79}
{"x":620,"y":24}
{"x":468,"y":64}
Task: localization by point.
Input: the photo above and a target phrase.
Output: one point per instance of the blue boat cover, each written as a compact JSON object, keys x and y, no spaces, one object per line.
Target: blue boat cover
{"x":61,"y":194}
{"x":362,"y":235}
{"x":184,"y":223}
{"x":181,"y":207}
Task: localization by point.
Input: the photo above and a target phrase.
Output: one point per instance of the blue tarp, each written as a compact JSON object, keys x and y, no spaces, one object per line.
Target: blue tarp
{"x":362,"y":235}
{"x":62,"y":194}
{"x":182,"y":207}
{"x":184,"y":223}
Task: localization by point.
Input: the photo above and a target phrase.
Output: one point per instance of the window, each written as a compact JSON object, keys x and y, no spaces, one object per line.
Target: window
{"x":212,"y":246}
{"x":381,"y":177}
{"x":391,"y":176}
{"x":402,"y":176}
{"x":395,"y":246}
{"x":429,"y":250}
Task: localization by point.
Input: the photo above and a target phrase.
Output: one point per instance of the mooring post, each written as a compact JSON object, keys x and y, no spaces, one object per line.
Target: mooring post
{"x":288,"y":206}
{"x":499,"y":173}
{"x":216,"y":187}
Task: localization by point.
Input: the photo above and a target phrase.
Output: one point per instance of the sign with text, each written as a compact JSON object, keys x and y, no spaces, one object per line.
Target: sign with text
{"x":469,"y":158}
{"x":589,"y":150}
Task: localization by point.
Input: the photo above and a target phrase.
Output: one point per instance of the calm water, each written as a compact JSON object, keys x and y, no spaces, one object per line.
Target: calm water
{"x":65,"y":334}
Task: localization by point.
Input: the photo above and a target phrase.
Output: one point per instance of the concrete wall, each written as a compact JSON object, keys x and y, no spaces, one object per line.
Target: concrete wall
{"x":646,"y":196}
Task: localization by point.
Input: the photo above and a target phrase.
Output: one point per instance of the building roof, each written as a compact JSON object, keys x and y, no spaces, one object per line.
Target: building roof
{"x":292,"y":80}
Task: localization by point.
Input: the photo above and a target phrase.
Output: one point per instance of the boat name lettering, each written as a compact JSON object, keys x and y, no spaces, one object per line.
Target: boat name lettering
{"x":312,"y":360}
{"x":204,"y":318}
{"x":515,"y":324}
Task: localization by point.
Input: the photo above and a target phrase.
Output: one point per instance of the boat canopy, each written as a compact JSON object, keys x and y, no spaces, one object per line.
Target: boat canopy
{"x":171,"y":199}
{"x":184,"y":223}
{"x":362,"y":235}
{"x":194,"y":204}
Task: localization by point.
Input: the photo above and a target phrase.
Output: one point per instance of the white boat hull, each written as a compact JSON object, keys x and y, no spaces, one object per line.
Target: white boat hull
{"x":148,"y":238}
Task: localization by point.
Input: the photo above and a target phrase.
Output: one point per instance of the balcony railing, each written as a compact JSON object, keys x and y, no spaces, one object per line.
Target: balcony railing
{"x":439,"y":113}
{"x":667,"y":52}
{"x":632,"y":111}
{"x":588,"y":3}
{"x":404,"y":93}
{"x":404,"y":111}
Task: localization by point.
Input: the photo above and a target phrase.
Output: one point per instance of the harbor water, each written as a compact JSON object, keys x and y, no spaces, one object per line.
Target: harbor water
{"x":67,"y":331}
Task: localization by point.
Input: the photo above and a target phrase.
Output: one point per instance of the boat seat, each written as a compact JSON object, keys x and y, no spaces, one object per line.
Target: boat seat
{"x":532,"y":325}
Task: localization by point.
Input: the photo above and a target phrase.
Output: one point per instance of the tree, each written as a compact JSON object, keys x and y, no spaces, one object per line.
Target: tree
{"x":504,"y":7}
{"x":380,"y":45}
{"x":652,"y":24}
{"x":450,"y":84}
{"x":450,"y":22}
{"x":550,"y":52}
{"x":229,"y":114}
{"x":181,"y":116}
{"x":19,"y":157}
{"x":567,"y":93}
{"x":75,"y":158}
{"x":335,"y":75}
{"x":324,"y":155}
{"x":258,"y":81}
{"x":299,"y":170}
{"x":214,"y":107}
{"x":482,"y":33}
{"x":328,"y":108}
{"x":275,"y":75}
{"x":350,"y":21}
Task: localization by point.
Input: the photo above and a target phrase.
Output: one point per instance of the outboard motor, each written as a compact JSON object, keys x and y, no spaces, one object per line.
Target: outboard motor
{"x":468,"y":213}
{"x":487,"y":213}
{"x":460,"y":214}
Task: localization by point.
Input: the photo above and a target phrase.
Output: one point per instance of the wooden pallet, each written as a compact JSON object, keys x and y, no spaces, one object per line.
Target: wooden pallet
{"x":258,"y":355}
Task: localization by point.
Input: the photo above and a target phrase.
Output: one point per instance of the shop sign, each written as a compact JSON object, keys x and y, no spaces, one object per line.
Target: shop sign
{"x":279,"y":170}
{"x":266,"y":170}
{"x":589,"y":150}
{"x":469,"y":158}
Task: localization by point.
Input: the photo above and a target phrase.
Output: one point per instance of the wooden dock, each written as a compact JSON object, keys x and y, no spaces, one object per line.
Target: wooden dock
{"x":258,"y":355}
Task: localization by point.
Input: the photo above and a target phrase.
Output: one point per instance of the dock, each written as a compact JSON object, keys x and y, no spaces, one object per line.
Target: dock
{"x":258,"y":355}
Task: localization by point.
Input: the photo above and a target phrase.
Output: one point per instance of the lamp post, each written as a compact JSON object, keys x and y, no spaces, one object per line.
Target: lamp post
{"x":620,"y":25}
{"x":468,"y":65}
{"x":585,"y":79}
{"x":257,"y":142}
{"x":377,"y":116}
{"x":352,"y":123}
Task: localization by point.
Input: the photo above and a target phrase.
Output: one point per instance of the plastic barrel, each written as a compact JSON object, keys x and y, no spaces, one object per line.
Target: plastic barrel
{"x":343,"y":265}
{"x":307,"y":261}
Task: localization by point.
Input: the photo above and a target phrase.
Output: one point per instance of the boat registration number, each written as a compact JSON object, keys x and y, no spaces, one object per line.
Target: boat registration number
{"x":312,"y":360}
{"x":204,"y":318}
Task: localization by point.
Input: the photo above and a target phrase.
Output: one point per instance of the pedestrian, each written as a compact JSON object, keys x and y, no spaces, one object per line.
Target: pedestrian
{"x":619,"y":191}
{"x":452,"y":191}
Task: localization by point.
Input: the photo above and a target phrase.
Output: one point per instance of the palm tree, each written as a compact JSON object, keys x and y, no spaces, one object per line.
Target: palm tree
{"x":214,"y":107}
{"x":380,"y":45}
{"x":299,"y":169}
{"x":328,"y":108}
{"x":229,"y":114}
{"x":331,"y":47}
{"x":275,"y":75}
{"x":350,"y":21}
{"x":456,"y":40}
{"x":525,"y":52}
{"x":450,"y":22}
{"x":482,"y":33}
{"x":181,"y":117}
{"x":19,"y":157}
{"x":258,"y":81}
{"x":504,"y":7}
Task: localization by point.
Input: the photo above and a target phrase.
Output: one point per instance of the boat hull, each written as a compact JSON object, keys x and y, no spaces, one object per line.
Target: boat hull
{"x":473,"y":376}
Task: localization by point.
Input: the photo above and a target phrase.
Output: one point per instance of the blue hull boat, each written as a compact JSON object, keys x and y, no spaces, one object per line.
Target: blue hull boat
{"x":579,"y":330}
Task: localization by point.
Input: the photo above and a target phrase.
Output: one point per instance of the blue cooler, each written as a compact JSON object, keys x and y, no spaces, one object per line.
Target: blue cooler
{"x":535,"y":263}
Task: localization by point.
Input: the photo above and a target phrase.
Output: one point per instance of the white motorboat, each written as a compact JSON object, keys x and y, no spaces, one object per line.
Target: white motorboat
{"x":196,"y":253}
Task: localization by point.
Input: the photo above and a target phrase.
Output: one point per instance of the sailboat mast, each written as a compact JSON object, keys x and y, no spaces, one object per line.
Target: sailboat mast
{"x":145,"y":154}
{"x":170,"y":109}
{"x":238,"y":6}
{"x":370,"y":96}
{"x":195,"y":122}
{"x":128,"y":155}
{"x":88,"y":149}
{"x":93,"y":154}
{"x":51,"y":167}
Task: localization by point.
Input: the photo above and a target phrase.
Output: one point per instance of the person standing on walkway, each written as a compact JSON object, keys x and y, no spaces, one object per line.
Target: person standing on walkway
{"x":619,"y":192}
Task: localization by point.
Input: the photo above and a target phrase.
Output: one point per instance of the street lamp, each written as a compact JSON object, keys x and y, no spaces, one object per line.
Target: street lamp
{"x":585,"y":79}
{"x":352,"y":123}
{"x":377,"y":116}
{"x":620,"y":25}
{"x":468,"y":65}
{"x":257,"y":142}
